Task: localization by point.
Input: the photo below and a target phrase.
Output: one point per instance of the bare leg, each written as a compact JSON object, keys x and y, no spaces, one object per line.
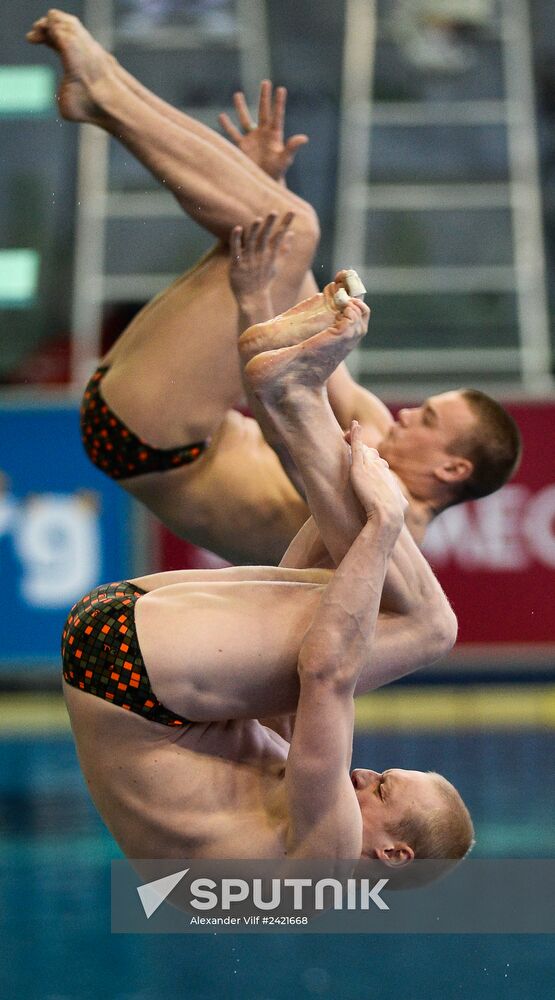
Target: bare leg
{"x":219,"y":186}
{"x":174,"y":374}
{"x":290,"y":385}
{"x":206,"y":174}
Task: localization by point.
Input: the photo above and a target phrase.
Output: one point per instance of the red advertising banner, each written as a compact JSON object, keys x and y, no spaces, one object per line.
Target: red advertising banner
{"x":495,"y":558}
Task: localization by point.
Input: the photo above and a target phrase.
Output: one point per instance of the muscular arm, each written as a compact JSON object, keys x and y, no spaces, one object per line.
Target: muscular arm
{"x":417,"y":625}
{"x":325,"y":820}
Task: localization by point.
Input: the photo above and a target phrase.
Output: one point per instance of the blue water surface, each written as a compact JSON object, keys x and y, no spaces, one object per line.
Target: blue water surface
{"x":55,"y":858}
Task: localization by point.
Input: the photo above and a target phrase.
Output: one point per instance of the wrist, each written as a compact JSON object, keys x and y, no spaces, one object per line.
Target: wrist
{"x":257,"y":307}
{"x":386,"y":524}
{"x":253,"y":299}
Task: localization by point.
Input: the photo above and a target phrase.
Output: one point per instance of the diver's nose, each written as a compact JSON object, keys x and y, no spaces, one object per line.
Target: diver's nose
{"x":403,"y":416}
{"x":362,"y":777}
{"x":375,"y":775}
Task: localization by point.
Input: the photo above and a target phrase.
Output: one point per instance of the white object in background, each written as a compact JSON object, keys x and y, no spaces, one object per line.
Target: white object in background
{"x":57,"y":538}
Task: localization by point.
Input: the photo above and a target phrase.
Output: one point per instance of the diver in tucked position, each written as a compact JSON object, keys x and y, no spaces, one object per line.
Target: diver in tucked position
{"x":157,"y":414}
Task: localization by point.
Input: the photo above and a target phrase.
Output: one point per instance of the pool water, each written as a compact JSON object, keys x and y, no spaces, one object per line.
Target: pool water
{"x":55,"y":858}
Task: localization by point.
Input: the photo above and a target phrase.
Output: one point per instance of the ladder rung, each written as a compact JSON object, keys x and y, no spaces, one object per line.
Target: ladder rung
{"x":176,"y":38}
{"x":472,"y":278}
{"x":424,"y":196}
{"x":500,"y":359}
{"x":481,"y":112}
{"x":488,"y":34}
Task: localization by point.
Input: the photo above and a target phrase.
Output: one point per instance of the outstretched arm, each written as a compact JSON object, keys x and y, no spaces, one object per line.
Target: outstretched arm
{"x":325,"y":819}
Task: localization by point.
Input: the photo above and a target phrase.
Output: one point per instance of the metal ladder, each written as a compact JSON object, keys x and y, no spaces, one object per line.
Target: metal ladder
{"x":519,"y":194}
{"x":93,"y":287}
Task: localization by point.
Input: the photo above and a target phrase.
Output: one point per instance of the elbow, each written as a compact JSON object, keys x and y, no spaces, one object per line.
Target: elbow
{"x":331,"y":673}
{"x":307,"y":228}
{"x":442,"y":628}
{"x":307,"y":236}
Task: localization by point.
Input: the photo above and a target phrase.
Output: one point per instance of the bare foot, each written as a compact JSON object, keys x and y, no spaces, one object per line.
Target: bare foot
{"x":297,"y":324}
{"x":307,"y":364}
{"x":86,"y":64}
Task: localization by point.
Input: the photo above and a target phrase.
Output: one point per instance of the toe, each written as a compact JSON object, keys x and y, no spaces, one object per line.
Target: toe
{"x":37,"y":32}
{"x":59,"y":17}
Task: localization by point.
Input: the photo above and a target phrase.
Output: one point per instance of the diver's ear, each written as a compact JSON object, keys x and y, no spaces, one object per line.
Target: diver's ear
{"x":398,"y":856}
{"x":455,"y":469}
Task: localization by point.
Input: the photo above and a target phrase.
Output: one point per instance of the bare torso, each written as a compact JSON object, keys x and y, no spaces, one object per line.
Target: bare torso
{"x":210,"y":790}
{"x":214,"y":788}
{"x":235,"y":500}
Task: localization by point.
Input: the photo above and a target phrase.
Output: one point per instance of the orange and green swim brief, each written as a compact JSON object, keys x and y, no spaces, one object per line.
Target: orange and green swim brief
{"x":115,"y":449}
{"x":101,"y":653}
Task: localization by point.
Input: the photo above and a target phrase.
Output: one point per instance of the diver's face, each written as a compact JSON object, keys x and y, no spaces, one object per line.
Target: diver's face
{"x":386,"y":798}
{"x":421,"y":438}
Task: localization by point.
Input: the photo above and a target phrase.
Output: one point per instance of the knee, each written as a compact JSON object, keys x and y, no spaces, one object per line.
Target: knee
{"x":307,"y":231}
{"x":444,"y":628}
{"x":306,"y":236}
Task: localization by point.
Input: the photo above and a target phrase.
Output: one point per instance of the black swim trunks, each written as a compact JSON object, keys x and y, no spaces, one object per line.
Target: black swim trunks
{"x":115,"y":449}
{"x":101,"y":654}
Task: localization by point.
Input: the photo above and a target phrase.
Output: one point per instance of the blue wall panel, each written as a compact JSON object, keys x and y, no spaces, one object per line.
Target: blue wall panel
{"x":64,"y":527}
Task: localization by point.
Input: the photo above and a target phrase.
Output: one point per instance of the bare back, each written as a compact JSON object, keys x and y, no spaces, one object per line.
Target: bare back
{"x":209,"y":790}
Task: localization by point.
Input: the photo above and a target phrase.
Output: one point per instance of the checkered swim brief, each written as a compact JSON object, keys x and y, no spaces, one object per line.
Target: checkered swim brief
{"x":116,"y":450}
{"x":101,"y":654}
